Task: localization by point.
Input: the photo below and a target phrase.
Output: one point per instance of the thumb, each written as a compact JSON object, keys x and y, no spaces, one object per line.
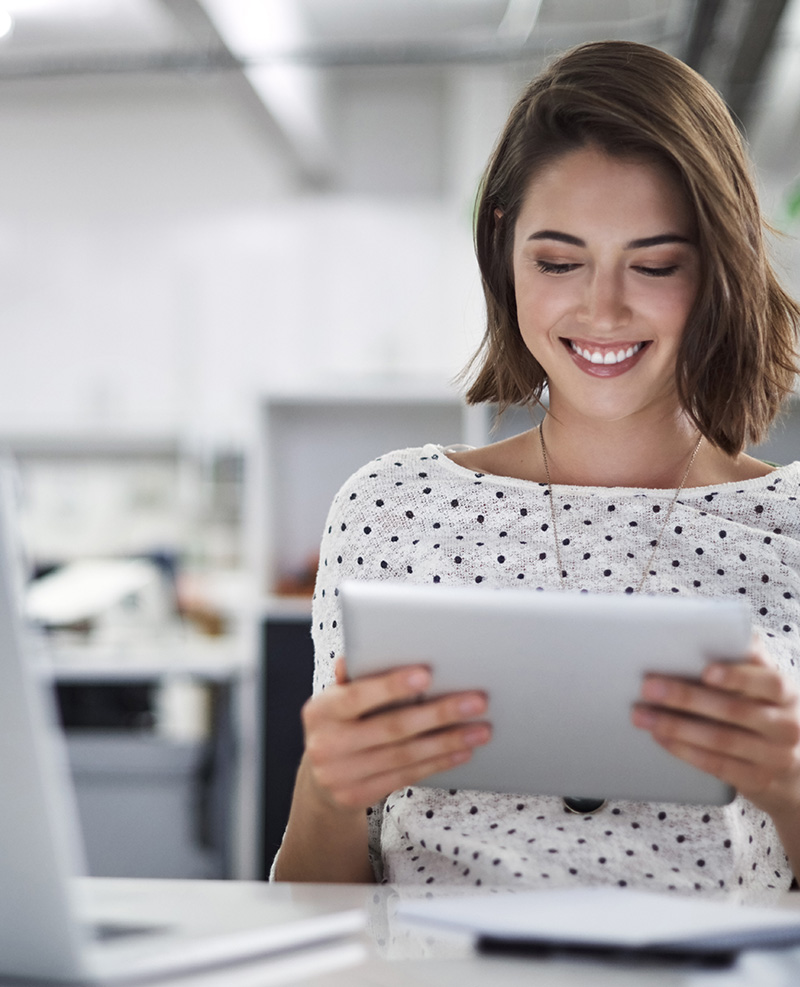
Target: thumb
{"x":340,"y":671}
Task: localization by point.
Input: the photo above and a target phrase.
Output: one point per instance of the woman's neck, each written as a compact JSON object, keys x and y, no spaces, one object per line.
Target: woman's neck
{"x":616,"y":454}
{"x":622,"y":455}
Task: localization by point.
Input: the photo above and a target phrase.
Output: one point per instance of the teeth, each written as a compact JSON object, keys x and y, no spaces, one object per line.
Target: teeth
{"x":610,"y":356}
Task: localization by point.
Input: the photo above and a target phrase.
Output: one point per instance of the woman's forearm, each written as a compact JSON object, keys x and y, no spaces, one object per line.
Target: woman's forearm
{"x":323,"y":843}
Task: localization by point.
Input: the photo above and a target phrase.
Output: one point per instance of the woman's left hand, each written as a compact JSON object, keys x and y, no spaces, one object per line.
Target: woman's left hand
{"x":741,"y":723}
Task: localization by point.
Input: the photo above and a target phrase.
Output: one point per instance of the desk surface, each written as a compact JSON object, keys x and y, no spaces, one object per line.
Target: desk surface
{"x":393,"y":954}
{"x":159,"y":656}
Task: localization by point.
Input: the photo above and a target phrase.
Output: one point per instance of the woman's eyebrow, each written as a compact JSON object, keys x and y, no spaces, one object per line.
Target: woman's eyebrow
{"x":647,"y":241}
{"x":561,"y":237}
{"x":655,"y":241}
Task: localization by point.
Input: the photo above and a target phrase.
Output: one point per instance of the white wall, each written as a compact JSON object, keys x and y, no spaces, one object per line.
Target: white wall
{"x":160,"y":266}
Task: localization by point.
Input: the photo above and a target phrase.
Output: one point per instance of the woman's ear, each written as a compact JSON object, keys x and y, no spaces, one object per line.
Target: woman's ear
{"x":497,"y":226}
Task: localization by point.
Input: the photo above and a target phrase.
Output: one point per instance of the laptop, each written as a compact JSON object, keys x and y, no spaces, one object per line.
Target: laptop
{"x":52,"y":924}
{"x":562,"y":671}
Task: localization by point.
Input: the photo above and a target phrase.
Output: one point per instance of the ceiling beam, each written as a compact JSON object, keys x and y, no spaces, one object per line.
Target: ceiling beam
{"x":277,"y":95}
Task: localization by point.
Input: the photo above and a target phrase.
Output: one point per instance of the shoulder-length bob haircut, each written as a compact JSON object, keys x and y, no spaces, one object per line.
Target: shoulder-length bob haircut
{"x":737,"y":359}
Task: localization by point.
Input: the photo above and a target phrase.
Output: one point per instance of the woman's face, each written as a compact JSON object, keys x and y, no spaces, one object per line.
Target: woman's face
{"x":606,"y":272}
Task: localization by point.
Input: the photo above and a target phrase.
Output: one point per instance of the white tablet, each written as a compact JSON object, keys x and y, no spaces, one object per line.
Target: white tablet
{"x":562,"y":670}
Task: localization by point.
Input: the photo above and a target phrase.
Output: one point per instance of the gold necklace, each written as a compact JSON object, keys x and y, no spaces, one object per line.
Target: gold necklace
{"x":646,"y":571}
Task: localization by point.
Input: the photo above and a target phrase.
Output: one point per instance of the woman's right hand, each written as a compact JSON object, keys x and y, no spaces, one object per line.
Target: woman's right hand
{"x":360,"y":745}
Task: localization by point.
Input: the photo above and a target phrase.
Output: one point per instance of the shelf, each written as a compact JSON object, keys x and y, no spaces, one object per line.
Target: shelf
{"x":159,"y":658}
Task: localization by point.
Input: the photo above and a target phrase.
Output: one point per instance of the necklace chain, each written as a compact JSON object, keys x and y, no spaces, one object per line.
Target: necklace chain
{"x":646,"y":571}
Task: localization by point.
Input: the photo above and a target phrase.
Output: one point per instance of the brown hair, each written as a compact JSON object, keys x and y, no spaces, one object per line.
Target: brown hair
{"x":736,"y":361}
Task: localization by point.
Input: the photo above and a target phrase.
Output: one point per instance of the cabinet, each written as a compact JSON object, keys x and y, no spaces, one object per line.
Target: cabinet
{"x":159,"y":795}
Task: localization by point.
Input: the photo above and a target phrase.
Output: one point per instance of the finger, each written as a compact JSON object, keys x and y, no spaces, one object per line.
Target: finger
{"x":436,"y":714}
{"x":717,"y":738}
{"x":743,"y":710}
{"x":399,"y":725}
{"x":741,"y":775}
{"x":352,"y":700}
{"x":340,"y":671}
{"x":756,"y":679}
{"x":403,"y":756}
{"x":407,"y":770}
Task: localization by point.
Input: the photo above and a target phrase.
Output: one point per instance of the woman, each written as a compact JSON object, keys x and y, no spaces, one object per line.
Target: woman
{"x":621,"y":249}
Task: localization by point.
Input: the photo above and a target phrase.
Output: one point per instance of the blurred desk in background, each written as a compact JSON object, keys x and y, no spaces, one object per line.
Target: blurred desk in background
{"x":161,"y":735}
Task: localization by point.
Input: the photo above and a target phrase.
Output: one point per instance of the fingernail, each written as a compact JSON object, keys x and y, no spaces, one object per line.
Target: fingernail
{"x":476,"y":735}
{"x":654,"y":690}
{"x":471,"y":706}
{"x":714,"y":675}
{"x":644,"y":718}
{"x":419,"y":679}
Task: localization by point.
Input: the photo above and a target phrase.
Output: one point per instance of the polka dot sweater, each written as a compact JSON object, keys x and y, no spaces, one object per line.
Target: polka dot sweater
{"x":416,"y":515}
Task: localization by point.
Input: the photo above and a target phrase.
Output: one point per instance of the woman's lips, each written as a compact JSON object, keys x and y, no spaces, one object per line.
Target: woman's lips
{"x":606,"y":360}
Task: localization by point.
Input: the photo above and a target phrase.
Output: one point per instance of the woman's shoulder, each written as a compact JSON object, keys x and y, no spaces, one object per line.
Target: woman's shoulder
{"x":767,"y":503}
{"x":513,"y":458}
{"x":400,"y":471}
{"x":389,"y":466}
{"x":771,"y":480}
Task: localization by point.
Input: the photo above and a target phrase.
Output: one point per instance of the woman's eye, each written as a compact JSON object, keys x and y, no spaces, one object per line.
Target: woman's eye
{"x":657,"y":272}
{"x":549,"y":267}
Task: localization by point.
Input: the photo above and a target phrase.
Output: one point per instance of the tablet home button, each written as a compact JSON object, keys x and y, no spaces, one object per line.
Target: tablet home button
{"x":584,"y":807}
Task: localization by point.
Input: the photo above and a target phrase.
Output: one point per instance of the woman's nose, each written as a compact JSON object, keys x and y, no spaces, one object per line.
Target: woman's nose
{"x":604,"y":305}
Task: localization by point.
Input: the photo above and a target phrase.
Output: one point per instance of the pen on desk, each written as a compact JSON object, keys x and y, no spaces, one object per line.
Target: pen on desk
{"x":695,"y":956}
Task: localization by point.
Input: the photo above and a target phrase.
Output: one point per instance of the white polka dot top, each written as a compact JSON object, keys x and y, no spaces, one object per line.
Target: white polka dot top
{"x":416,"y":515}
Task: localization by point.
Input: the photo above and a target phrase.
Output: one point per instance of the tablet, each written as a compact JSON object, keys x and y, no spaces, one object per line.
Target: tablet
{"x":561,"y":669}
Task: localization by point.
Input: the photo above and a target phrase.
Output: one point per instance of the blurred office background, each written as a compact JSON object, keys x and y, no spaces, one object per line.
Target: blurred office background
{"x":235,"y":243}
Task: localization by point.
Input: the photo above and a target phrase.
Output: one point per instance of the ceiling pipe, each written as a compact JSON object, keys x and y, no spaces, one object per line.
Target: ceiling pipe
{"x":519,"y":20}
{"x":701,"y":32}
{"x":216,"y":59}
{"x":757,"y":38}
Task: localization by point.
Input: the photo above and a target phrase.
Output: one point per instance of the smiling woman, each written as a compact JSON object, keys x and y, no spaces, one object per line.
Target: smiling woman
{"x":638,"y":104}
{"x":621,"y":248}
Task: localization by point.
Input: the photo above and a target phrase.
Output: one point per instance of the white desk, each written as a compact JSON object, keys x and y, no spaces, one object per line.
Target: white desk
{"x":394,"y":955}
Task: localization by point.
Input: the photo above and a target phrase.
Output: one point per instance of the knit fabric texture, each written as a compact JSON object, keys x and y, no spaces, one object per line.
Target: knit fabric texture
{"x":416,"y":515}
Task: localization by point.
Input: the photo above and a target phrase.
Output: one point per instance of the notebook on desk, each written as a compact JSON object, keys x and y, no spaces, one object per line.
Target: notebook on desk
{"x":50,"y":929}
{"x":608,"y":921}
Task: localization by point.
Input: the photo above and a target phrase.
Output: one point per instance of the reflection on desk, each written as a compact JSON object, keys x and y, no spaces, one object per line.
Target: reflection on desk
{"x":402,"y":953}
{"x":393,"y":953}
